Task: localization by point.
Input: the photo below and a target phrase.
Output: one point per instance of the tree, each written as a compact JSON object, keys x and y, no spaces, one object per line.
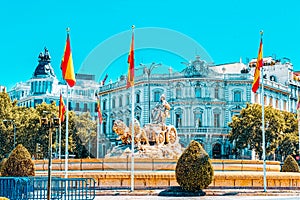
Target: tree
{"x":6,"y":132}
{"x":246,"y":129}
{"x":19,"y":163}
{"x":194,"y":170}
{"x":85,"y":136}
{"x":290,"y":165}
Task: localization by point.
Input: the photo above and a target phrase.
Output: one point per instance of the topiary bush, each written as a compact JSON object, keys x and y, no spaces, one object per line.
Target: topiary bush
{"x":194,"y":170}
{"x":290,"y":165}
{"x":19,"y":163}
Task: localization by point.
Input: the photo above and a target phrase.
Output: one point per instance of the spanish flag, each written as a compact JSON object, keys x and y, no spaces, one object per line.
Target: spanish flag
{"x":62,"y":109}
{"x":99,"y":110}
{"x":67,"y":64}
{"x":130,"y":78}
{"x":259,"y":64}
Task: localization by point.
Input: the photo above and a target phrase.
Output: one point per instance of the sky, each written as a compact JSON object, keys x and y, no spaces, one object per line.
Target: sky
{"x":225,"y":30}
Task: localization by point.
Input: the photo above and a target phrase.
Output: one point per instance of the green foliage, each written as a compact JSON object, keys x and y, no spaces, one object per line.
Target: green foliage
{"x":290,"y":165}
{"x":19,"y":163}
{"x":81,"y":130}
{"x":194,"y":170}
{"x":246,"y":129}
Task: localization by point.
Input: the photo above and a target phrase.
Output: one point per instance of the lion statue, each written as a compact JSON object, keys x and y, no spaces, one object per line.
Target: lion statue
{"x":122,"y":131}
{"x":140,"y":136}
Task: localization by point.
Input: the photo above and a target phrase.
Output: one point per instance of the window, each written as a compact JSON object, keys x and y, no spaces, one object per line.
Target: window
{"x":77,"y":107}
{"x":104,"y":105}
{"x":237,"y":96}
{"x":85,"y":107}
{"x":277,"y":103}
{"x":271,"y":101}
{"x":178,"y":120}
{"x":216,"y":92}
{"x":284,"y":105}
{"x":70,"y":106}
{"x":256,"y":98}
{"x":113,"y":103}
{"x":198,"y":120}
{"x":198,"y":92}
{"x":156,"y":96}
{"x":127,"y":99}
{"x":216,"y":120}
{"x":137,"y":98}
{"x":178,"y":92}
{"x":120,"y":101}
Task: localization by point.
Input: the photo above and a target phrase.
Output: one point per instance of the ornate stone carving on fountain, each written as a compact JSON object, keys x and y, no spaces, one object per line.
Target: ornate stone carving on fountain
{"x":154,"y":140}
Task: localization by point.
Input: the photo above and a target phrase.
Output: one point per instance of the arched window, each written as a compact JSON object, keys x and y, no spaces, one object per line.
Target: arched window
{"x":137,"y":100}
{"x":178,"y":118}
{"x":178,"y":92}
{"x":197,"y":92}
{"x":156,"y":96}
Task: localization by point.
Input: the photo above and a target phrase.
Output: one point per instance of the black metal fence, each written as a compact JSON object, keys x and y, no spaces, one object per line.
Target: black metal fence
{"x":30,"y":188}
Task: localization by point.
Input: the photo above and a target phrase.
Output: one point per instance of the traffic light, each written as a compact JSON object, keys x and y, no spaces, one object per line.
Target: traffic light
{"x":44,"y":122}
{"x":56,"y":122}
{"x":38,"y":148}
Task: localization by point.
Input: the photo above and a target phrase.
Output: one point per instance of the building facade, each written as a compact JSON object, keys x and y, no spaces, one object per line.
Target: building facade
{"x":203,"y":98}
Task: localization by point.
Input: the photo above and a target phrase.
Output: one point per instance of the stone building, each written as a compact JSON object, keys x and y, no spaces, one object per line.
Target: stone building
{"x":203,"y":98}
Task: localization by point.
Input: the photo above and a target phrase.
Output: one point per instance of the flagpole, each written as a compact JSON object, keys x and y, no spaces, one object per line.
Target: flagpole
{"x":59,"y":142}
{"x":132,"y":139}
{"x":131,"y":74}
{"x":67,"y":134}
{"x":97,"y":137}
{"x":263,"y":124}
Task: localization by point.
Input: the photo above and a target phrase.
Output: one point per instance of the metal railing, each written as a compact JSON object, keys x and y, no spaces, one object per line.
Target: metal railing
{"x":30,"y":188}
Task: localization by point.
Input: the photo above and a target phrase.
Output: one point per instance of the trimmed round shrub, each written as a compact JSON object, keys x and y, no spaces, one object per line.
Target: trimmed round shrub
{"x":290,"y":165}
{"x":194,"y":170}
{"x":19,"y":163}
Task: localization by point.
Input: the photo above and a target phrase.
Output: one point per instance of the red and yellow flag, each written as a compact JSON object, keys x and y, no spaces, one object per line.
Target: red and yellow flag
{"x":298,"y":109}
{"x":259,"y":64}
{"x":62,"y":109}
{"x":130,"y":78}
{"x":67,"y":64}
{"x":99,"y":110}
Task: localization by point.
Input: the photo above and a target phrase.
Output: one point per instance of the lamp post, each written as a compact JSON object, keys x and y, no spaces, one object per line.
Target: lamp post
{"x":148,"y":70}
{"x":14,"y":125}
{"x":49,"y":125}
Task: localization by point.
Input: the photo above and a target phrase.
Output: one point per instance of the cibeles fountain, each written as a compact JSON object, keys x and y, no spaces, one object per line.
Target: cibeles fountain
{"x":154,"y":140}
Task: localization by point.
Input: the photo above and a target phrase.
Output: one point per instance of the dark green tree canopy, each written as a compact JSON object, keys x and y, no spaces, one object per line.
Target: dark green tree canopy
{"x":246,"y":129}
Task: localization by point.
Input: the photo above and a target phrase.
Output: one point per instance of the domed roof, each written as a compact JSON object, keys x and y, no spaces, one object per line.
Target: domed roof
{"x":44,"y":68}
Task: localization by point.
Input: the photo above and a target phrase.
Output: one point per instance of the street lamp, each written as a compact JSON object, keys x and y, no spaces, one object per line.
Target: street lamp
{"x":48,"y":124}
{"x":148,"y":70}
{"x":12,"y":121}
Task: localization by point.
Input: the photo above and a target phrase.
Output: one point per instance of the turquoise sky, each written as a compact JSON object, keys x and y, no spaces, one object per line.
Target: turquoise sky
{"x":227,"y":30}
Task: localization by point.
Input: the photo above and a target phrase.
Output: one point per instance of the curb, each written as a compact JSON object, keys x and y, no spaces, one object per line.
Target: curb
{"x":209,"y":192}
